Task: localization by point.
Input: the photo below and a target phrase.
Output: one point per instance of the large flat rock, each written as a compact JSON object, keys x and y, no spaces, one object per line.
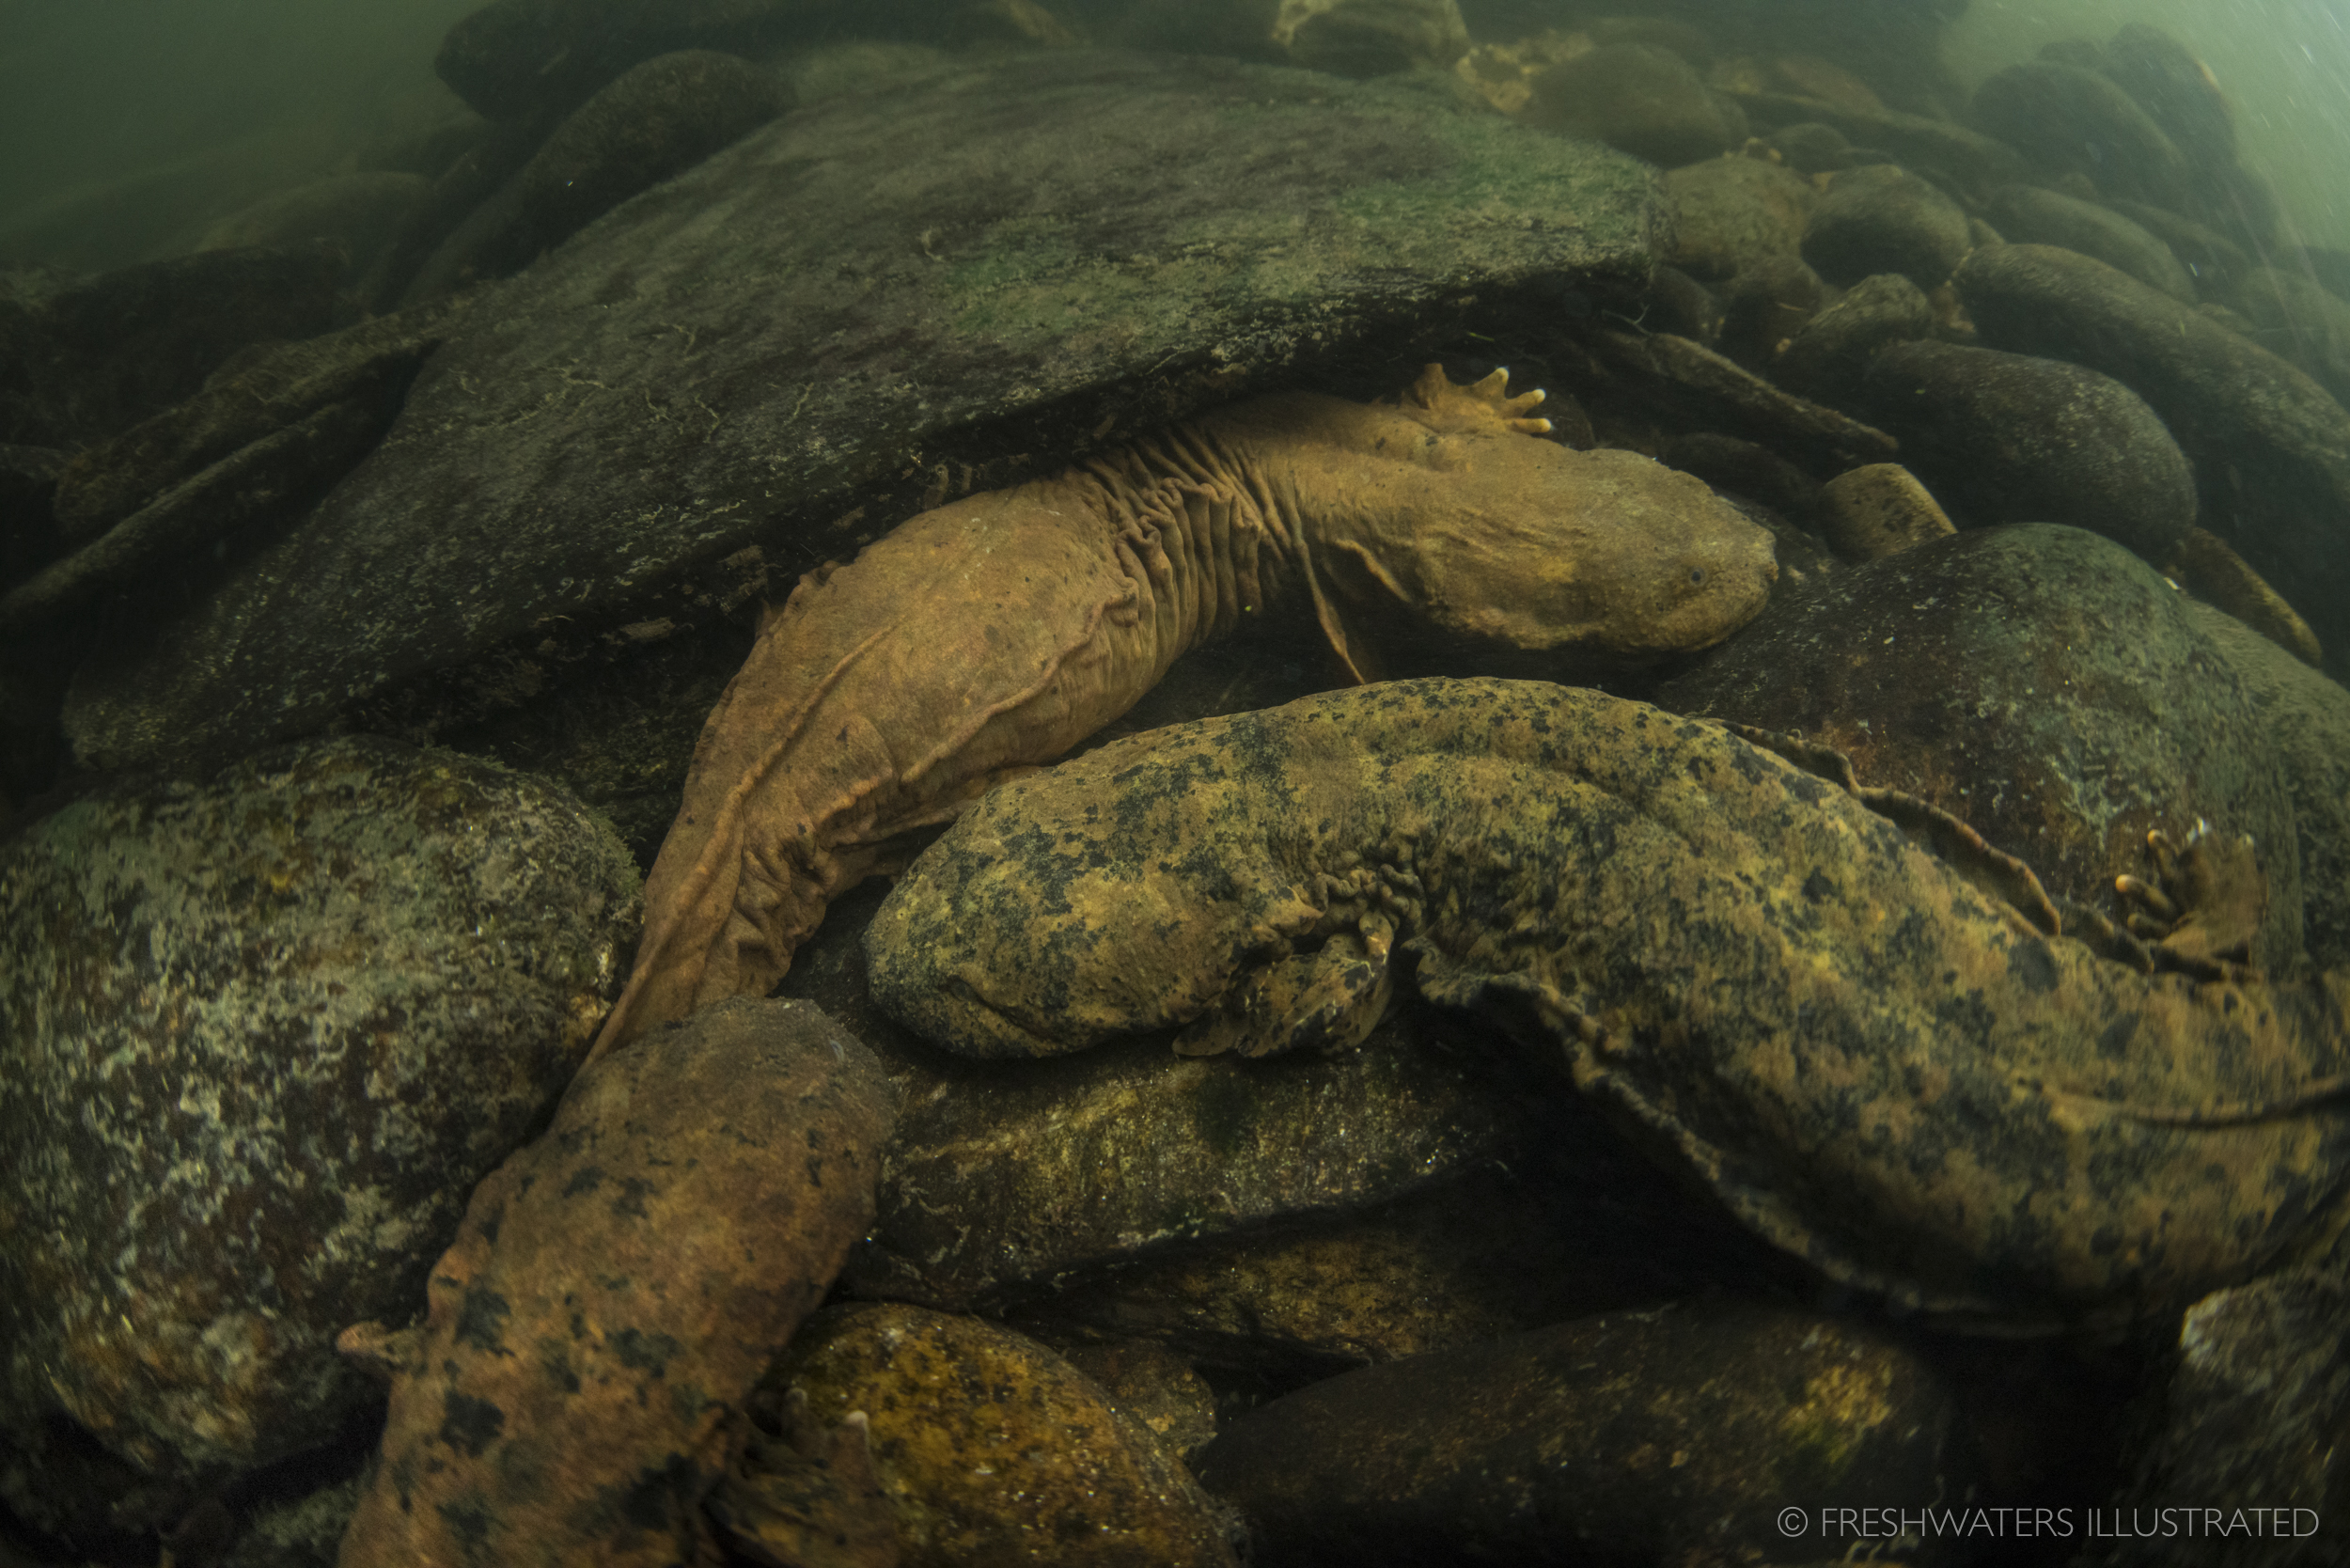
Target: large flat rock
{"x":1049,"y":249}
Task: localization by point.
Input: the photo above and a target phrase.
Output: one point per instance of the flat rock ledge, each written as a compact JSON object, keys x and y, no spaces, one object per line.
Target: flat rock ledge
{"x":1024,"y":257}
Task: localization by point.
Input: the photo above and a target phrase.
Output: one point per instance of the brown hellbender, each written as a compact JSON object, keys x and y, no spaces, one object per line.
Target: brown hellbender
{"x":1876,"y":1065}
{"x":994,"y":634}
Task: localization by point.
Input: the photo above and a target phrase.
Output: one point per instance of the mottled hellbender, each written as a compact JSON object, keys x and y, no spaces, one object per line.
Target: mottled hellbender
{"x":994,"y":634}
{"x":1874,"y":1064}
{"x":590,"y":1339}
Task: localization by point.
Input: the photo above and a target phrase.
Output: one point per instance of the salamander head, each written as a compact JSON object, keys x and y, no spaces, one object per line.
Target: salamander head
{"x":1547,"y":548}
{"x":1063,"y":910}
{"x":1494,"y":533}
{"x":1539,"y":546}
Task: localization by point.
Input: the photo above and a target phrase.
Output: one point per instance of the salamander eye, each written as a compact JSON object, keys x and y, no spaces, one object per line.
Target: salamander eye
{"x":1696,"y":576}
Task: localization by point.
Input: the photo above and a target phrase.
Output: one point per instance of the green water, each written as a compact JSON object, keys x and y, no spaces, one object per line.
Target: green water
{"x":208,"y":103}
{"x":2283,"y":64}
{"x":184,"y":110}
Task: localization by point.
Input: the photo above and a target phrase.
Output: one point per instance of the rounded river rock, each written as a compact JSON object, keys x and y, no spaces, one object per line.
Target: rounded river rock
{"x":1689,"y":1434}
{"x":258,"y":1038}
{"x":994,"y":1451}
{"x":2013,"y":438}
{"x":2271,"y":446}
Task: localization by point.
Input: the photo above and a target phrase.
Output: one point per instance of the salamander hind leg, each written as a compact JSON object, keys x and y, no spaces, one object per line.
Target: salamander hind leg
{"x":2204,"y":906}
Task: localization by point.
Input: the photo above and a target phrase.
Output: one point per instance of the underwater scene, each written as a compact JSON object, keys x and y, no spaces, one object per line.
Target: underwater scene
{"x":1147,"y":783}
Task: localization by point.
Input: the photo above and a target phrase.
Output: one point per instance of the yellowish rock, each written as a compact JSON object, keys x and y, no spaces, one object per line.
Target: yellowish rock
{"x":1874,"y":510}
{"x":994,"y":1450}
{"x":2214,"y":573}
{"x":1155,"y":1385}
{"x":1503,"y":73}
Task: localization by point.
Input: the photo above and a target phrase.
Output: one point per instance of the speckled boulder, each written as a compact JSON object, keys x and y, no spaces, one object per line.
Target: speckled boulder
{"x":992,"y":1450}
{"x":2252,"y":1418}
{"x":258,"y":1038}
{"x":1692,"y":1435}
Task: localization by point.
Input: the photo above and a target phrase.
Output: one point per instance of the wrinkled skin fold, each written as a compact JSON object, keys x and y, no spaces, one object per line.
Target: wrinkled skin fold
{"x":1875,"y":1064}
{"x":994,"y":634}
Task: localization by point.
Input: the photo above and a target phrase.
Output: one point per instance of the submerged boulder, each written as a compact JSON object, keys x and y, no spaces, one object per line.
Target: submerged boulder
{"x":2013,"y":438}
{"x":978,"y":1446}
{"x":2250,"y":1422}
{"x":1723,"y":1433}
{"x":360,"y":211}
{"x":2271,"y":448}
{"x":654,"y":122}
{"x":2074,"y":121}
{"x":1884,"y":219}
{"x":1648,"y":101}
{"x":865,"y":301}
{"x":81,"y":359}
{"x":258,"y":1038}
{"x":514,"y":59}
{"x":2030,"y":214}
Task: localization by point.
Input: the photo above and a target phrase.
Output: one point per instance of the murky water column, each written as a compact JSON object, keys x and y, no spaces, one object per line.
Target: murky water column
{"x":2284,"y":66}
